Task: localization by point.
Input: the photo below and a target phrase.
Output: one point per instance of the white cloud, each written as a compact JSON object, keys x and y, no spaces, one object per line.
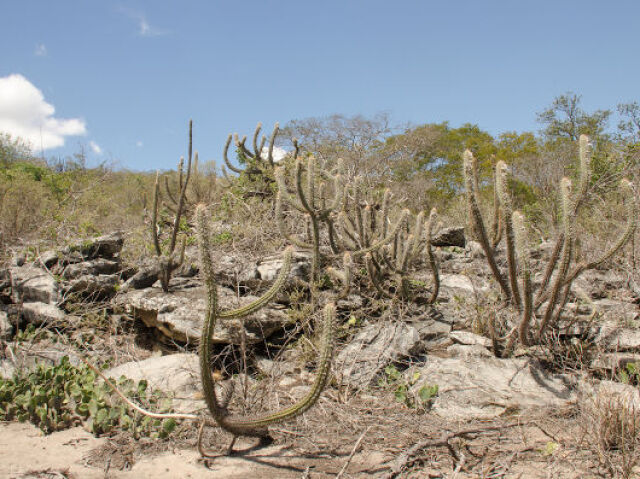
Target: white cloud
{"x":139,"y":144}
{"x":24,"y":113}
{"x":41,"y":50}
{"x":278,"y":153}
{"x":145,"y":29}
{"x":95,"y":148}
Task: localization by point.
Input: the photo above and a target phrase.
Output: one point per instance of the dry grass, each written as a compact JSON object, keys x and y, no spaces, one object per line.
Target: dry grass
{"x":611,"y":424}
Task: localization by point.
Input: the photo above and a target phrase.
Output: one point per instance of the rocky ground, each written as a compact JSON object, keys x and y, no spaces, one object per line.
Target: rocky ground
{"x":417,"y":390}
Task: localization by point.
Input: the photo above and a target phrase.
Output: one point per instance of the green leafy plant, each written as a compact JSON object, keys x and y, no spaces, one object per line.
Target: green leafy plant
{"x":402,"y":388}
{"x":630,"y":374}
{"x":63,"y":395}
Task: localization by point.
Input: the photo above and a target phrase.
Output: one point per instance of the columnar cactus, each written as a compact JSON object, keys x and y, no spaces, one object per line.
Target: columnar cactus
{"x":255,"y":426}
{"x":312,"y":200}
{"x":257,"y":164}
{"x":168,"y":260}
{"x":560,"y":271}
{"x":354,"y":225}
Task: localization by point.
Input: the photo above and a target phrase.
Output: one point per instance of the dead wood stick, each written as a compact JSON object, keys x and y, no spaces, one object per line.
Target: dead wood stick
{"x":353,"y":452}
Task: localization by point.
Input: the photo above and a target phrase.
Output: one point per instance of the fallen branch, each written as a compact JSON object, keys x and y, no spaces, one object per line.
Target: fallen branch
{"x":404,"y":459}
{"x":353,"y":452}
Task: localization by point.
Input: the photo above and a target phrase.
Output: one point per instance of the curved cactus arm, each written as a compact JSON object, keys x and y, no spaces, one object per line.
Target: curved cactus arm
{"x":300,"y":190}
{"x":471,"y":181}
{"x":343,"y":276}
{"x":272,"y":141}
{"x":506,"y":215}
{"x":284,"y":191}
{"x":391,"y":233}
{"x":373,"y":276}
{"x":267,"y":296}
{"x":283,"y":228}
{"x":240,"y":144}
{"x":240,"y":426}
{"x":225,"y":156}
{"x":632,"y":214}
{"x":349,"y":233}
{"x":257,"y":150}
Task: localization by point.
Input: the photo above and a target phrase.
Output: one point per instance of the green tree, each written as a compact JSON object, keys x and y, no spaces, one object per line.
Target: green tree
{"x":566,"y":120}
{"x":13,"y":150}
{"x":433,"y":152}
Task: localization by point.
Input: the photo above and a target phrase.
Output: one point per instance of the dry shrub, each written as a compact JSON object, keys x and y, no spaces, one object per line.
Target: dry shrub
{"x":611,"y":422}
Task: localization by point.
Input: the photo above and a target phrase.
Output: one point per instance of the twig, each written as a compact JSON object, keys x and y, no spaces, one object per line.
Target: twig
{"x":404,"y":458}
{"x":353,"y":452}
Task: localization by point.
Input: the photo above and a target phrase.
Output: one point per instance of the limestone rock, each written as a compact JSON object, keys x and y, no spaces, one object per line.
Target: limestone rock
{"x":176,"y":373}
{"x":34,"y":284}
{"x":143,"y":278}
{"x":268,"y":268}
{"x":469,"y":339}
{"x":42,"y":313}
{"x":473,"y":385}
{"x":48,"y":258}
{"x":614,"y":361}
{"x":453,"y":236}
{"x":94,"y":267}
{"x":101,"y":286}
{"x":376,"y":346}
{"x":614,"y":337}
{"x":461,"y":285}
{"x":179,"y":314}
{"x":106,"y":246}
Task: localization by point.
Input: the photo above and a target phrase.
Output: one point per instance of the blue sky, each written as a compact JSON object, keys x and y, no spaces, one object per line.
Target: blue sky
{"x":125,"y":77}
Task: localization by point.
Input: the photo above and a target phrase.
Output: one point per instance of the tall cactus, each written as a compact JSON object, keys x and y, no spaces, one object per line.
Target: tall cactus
{"x":354,"y":224}
{"x":311,"y":199}
{"x":168,"y":261}
{"x":255,"y":426}
{"x":561,"y":269}
{"x":257,"y":164}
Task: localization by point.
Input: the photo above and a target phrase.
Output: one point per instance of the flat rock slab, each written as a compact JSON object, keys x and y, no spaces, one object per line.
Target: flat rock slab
{"x":176,"y":373}
{"x":461,"y":285}
{"x":34,"y":284}
{"x":179,"y":315}
{"x":615,"y":337}
{"x":376,"y":346}
{"x":476,"y":385}
{"x":38,"y":313}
